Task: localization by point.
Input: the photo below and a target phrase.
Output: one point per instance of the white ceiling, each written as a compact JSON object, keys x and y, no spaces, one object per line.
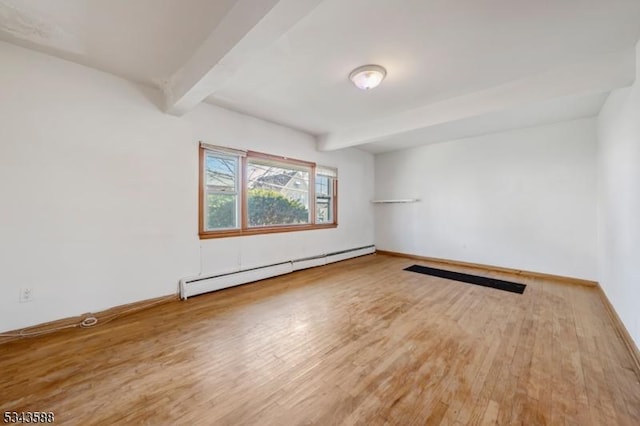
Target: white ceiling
{"x":142,"y":40}
{"x":455,"y":68}
{"x":527,"y":115}
{"x":432,"y":50}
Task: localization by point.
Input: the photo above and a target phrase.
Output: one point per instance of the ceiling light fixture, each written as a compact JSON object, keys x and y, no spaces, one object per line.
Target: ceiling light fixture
{"x":367,"y":76}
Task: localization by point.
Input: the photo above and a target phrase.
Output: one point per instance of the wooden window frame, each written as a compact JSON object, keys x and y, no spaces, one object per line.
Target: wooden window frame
{"x":244,"y":228}
{"x":333,"y":182}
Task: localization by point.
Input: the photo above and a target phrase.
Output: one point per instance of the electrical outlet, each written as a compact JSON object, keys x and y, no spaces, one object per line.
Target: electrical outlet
{"x":26,"y":295}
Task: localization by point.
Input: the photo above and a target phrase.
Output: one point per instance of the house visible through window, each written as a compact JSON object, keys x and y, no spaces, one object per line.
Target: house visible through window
{"x":326,"y":181}
{"x":277,"y":192}
{"x":251,"y":193}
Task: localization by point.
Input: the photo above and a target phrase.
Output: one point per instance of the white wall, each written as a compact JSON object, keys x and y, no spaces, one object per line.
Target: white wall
{"x":355,"y":174}
{"x":523,"y":199}
{"x":98,"y":191}
{"x":619,"y":202}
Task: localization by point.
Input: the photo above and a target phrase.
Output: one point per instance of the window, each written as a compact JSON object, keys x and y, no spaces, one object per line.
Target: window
{"x":247,"y":193}
{"x":221,"y":191}
{"x":277,"y":193}
{"x":326,"y":182}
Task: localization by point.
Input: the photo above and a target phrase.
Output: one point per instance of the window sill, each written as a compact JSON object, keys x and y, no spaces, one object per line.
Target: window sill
{"x":266,"y":230}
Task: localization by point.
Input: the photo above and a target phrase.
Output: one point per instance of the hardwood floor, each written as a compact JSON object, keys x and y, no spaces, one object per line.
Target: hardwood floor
{"x":357,"y":342}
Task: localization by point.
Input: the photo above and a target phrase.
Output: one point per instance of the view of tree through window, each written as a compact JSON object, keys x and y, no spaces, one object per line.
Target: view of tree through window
{"x":277,"y":194}
{"x":251,"y":193}
{"x":221,"y":191}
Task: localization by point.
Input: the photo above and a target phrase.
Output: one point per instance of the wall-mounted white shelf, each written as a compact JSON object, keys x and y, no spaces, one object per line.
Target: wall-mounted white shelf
{"x":399,"y":200}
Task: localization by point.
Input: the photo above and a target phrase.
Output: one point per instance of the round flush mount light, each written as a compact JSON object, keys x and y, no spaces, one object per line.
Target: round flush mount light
{"x":367,"y":76}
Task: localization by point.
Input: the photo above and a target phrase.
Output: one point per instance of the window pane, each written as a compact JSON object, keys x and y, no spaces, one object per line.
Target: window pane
{"x":277,"y":194}
{"x":323,"y":210}
{"x":324,"y":199}
{"x":221,"y":172}
{"x":322,"y":186}
{"x":221,"y":211}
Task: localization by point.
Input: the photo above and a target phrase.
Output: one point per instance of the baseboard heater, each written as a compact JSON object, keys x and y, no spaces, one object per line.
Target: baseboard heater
{"x":205,"y":284}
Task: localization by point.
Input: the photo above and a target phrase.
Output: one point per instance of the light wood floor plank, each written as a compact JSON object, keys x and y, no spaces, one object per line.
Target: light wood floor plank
{"x":360,"y":342}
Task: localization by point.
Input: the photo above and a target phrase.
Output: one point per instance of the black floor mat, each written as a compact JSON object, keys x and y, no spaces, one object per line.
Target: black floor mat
{"x":470,"y":279}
